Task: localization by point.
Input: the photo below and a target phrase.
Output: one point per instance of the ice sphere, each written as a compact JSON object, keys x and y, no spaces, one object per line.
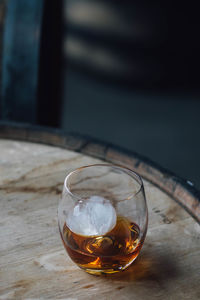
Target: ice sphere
{"x":92,"y":217}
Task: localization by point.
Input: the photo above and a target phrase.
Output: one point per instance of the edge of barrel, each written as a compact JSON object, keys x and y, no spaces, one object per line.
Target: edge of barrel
{"x":181,"y":190}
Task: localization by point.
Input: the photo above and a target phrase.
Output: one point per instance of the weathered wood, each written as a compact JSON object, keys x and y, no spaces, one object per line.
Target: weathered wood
{"x":33,"y":262}
{"x":179,"y":189}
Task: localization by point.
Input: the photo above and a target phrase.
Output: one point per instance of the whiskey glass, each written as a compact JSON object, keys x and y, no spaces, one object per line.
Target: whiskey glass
{"x":103,"y":217}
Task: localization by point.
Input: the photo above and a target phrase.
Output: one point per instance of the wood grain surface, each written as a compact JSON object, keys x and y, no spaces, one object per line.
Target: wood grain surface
{"x":34,"y":264}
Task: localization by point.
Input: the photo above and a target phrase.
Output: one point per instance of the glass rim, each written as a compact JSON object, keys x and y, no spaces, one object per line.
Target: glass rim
{"x":128,"y":171}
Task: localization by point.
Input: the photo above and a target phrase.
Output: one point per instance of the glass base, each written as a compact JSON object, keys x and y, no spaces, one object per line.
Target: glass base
{"x":99,"y":272}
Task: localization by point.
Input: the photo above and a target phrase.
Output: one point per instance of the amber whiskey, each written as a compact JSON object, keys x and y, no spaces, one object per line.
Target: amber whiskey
{"x":107,"y":253}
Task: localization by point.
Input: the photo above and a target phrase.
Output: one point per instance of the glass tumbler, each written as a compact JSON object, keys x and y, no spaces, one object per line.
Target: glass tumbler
{"x":102,"y":217}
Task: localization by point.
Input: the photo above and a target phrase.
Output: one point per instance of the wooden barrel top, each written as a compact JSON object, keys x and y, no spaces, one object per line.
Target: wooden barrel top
{"x":34,"y":264}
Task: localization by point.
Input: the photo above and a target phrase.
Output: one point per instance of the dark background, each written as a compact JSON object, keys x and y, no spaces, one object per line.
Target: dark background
{"x":126,"y":72}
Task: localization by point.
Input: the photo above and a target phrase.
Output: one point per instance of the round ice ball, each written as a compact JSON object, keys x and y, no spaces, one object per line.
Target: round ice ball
{"x":92,"y":217}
